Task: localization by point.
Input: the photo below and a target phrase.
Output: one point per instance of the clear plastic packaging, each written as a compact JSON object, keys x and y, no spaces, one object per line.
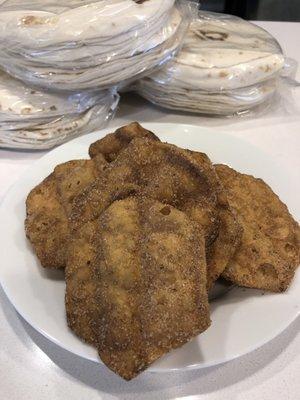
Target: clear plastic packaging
{"x":226,"y":66}
{"x":35,"y":119}
{"x":75,"y":45}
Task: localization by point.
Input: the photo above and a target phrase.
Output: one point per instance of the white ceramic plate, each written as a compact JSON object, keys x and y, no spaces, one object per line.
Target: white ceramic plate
{"x":242,"y":320}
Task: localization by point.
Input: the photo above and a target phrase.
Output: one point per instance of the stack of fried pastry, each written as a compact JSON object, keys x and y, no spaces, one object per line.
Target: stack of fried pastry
{"x":143,"y":230}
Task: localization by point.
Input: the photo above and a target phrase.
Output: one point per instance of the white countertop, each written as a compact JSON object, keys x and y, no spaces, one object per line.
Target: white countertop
{"x":33,"y":368}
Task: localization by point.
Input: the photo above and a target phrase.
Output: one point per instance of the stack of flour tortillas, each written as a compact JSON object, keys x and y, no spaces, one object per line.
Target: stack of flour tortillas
{"x":65,"y":61}
{"x":89,"y":44}
{"x":226,"y":66}
{"x":34,"y":119}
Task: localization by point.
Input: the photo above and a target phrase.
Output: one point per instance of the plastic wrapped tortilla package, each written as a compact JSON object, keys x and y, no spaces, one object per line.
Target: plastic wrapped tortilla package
{"x":34,"y":119}
{"x":75,"y":45}
{"x":226,"y":66}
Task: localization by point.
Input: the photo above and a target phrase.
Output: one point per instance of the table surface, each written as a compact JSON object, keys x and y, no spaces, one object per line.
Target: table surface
{"x":33,"y":368}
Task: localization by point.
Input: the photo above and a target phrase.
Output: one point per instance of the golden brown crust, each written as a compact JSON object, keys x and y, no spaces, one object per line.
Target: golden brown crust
{"x":80,"y":286}
{"x":173,"y":176}
{"x":48,"y":206}
{"x":150,"y":289}
{"x":158,"y":170}
{"x":111,"y":145}
{"x":46,"y":224}
{"x":72,"y":177}
{"x":270,"y":248}
{"x":144,"y":229}
{"x":228,"y":232}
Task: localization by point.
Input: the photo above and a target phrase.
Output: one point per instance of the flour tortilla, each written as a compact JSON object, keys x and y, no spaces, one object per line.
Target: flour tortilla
{"x":20,"y":103}
{"x":46,"y":136}
{"x":38,"y":29}
{"x":223,"y":103}
{"x":103,"y":55}
{"x":223,"y":69}
{"x":246,"y":56}
{"x":85,"y":54}
{"x":34,"y":119}
{"x":102,"y":76}
{"x":48,"y":5}
{"x":226,"y":65}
